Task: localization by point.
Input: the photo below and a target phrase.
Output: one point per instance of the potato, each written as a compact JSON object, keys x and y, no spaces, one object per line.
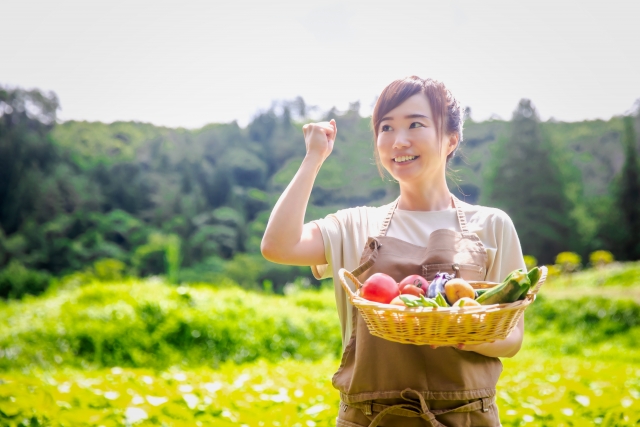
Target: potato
{"x":455,"y":289}
{"x":468,"y":302}
{"x":398,"y":301}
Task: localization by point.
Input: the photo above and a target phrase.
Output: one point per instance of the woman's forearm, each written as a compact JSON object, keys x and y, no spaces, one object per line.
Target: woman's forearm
{"x":507,"y":347}
{"x":285,"y":229}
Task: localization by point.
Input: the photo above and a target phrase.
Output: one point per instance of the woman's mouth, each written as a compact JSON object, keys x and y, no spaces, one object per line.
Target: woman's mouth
{"x":404,"y":159}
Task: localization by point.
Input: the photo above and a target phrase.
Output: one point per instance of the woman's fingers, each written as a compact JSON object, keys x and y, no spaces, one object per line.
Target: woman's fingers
{"x":319,"y":137}
{"x":334,"y":130}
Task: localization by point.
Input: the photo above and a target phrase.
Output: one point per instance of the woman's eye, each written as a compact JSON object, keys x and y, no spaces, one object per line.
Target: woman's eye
{"x":385,"y":128}
{"x":416,"y":124}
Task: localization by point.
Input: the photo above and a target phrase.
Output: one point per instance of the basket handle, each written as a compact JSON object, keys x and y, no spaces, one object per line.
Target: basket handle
{"x":342,"y":273}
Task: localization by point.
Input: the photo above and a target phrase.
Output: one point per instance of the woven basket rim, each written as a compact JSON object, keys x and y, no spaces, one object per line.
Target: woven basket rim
{"x":415,"y":325}
{"x":365,"y":304}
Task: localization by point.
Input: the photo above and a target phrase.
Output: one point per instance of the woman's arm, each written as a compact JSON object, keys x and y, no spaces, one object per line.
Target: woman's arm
{"x":508,"y":258}
{"x":507,"y":347}
{"x":287,"y":240}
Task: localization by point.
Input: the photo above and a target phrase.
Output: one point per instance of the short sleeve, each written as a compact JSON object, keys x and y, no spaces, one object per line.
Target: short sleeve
{"x":332,"y":237}
{"x":508,"y":255}
{"x":345,"y":234}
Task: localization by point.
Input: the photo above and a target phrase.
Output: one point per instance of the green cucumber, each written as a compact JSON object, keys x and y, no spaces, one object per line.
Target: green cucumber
{"x":534,"y":276}
{"x":481,"y":291}
{"x":508,"y":291}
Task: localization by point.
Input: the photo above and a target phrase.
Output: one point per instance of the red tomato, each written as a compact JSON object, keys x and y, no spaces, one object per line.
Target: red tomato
{"x":415,"y":280}
{"x":412,"y":290}
{"x":380,"y":288}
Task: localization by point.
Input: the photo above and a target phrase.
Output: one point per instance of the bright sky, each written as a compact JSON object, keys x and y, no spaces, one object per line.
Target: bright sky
{"x":188,"y":63}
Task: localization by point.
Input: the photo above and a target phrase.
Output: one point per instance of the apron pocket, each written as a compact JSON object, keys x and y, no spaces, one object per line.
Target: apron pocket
{"x":467,"y":271}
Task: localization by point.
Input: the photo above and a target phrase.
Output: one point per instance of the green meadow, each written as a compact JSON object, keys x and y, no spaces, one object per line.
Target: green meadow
{"x":144,"y":352}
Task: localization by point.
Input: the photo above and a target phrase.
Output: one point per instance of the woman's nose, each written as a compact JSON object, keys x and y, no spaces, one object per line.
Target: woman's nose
{"x":401,"y":141}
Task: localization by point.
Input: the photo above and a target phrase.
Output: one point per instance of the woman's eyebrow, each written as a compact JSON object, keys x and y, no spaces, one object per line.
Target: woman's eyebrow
{"x":410,"y":116}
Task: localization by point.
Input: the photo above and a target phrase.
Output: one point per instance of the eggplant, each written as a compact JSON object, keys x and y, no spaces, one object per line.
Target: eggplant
{"x":437,"y":284}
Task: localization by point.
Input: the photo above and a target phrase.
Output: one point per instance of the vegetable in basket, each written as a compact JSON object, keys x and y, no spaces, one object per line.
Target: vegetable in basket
{"x":442,"y":302}
{"x":457,"y":288}
{"x":515,"y":286}
{"x":414,"y":285}
{"x":466,"y":302}
{"x":421,"y":301}
{"x":437,"y":284}
{"x":380,"y":287}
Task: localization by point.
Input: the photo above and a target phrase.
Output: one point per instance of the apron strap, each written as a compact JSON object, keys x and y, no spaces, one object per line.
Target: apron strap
{"x":387,"y":220}
{"x":462,"y":219}
{"x":373,"y":245}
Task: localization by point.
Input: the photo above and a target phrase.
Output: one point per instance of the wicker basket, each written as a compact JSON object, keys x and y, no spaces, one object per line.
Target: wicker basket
{"x":440,"y":326}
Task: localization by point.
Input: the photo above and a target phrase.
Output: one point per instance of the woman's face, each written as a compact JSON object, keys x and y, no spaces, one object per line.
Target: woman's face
{"x":407,"y":143}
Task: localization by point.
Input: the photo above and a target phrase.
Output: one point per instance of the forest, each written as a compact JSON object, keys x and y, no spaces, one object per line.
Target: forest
{"x":129,"y":199}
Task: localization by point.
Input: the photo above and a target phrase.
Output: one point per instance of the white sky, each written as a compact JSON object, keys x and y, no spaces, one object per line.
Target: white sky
{"x":188,"y":63}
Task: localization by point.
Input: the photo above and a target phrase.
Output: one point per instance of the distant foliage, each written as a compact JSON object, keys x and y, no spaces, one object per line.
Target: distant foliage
{"x":568,"y":262}
{"x":152,"y":324}
{"x":527,"y":184}
{"x":600,"y":258}
{"x":16,"y":281}
{"x":628,"y":194}
{"x":74,"y":193}
{"x":592,"y":319}
{"x":530,"y":261}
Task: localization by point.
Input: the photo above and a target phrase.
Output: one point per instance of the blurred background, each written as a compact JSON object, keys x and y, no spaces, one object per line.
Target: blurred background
{"x":143,"y":145}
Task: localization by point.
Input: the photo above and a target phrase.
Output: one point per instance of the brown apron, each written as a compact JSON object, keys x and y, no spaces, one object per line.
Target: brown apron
{"x":415,"y":385}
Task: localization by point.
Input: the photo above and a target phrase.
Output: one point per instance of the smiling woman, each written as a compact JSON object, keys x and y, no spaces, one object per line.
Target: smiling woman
{"x":417,"y":126}
{"x":441,"y":111}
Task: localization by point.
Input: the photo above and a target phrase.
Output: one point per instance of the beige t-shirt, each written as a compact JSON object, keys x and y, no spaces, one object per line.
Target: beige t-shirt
{"x":346,"y":231}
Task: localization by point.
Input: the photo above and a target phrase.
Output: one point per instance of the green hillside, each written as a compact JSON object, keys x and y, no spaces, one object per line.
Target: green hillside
{"x":193,"y":204}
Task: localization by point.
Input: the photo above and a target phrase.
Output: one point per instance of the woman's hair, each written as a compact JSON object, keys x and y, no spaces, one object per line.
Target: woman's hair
{"x":445,"y":108}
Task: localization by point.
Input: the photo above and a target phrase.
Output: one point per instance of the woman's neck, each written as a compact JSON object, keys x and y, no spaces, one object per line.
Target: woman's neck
{"x":425,"y":198}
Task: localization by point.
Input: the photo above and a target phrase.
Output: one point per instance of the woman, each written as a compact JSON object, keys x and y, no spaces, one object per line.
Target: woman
{"x":417,"y":128}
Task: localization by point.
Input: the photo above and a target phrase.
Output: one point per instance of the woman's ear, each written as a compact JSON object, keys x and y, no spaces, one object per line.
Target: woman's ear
{"x":452,"y":143}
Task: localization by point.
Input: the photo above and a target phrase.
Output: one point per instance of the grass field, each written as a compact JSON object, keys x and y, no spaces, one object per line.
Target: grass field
{"x":580,"y":364}
{"x":534,"y":390}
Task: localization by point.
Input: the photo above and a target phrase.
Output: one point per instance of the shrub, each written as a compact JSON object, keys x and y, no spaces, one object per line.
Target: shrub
{"x":109,"y":269}
{"x":530,"y":261}
{"x":16,"y":280}
{"x":600,"y":258}
{"x":251,"y":270}
{"x":161,"y":252}
{"x":568,"y":262}
{"x":553,"y":271}
{"x":152,"y":324}
{"x":589,"y":320}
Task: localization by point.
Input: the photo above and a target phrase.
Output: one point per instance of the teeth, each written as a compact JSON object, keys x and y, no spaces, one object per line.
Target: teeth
{"x":404,"y":159}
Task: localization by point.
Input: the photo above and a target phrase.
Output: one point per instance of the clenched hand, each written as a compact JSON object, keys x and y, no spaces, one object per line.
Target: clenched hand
{"x":319,"y":138}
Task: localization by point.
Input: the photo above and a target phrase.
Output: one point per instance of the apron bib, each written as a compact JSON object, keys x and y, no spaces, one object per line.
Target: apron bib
{"x":415,"y":384}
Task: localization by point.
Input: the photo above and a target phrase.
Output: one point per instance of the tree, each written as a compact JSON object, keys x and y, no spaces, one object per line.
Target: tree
{"x":26,"y":153}
{"x":525,"y":182}
{"x":628,"y":194}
